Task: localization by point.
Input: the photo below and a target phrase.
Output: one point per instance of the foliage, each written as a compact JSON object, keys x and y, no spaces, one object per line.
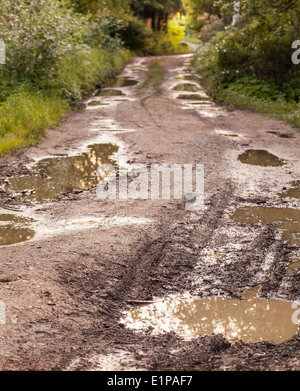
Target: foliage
{"x":249,"y":64}
{"x":141,"y":40}
{"x":146,"y":8}
{"x":59,"y":51}
{"x":247,"y":92}
{"x":94,"y":6}
{"x":81,"y":71}
{"x":104,"y":31}
{"x":24,"y":117}
{"x":197,"y":9}
{"x":29,"y":108}
{"x":37,"y":33}
{"x":55,"y":58}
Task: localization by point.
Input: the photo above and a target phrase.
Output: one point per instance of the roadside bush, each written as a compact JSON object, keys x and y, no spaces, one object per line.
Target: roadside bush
{"x":84,"y":69}
{"x":37,"y":34}
{"x":136,"y":36}
{"x":104,"y":32}
{"x":55,"y":58}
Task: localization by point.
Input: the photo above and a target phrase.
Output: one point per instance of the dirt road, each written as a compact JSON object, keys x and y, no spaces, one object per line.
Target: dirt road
{"x":88,"y":261}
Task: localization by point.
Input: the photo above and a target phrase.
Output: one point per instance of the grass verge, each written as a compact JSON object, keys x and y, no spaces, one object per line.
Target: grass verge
{"x":280,"y":109}
{"x":30,"y":108}
{"x":244,"y":92}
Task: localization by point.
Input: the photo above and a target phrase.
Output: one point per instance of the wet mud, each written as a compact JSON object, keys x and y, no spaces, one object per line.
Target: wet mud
{"x":215,"y":289}
{"x":57,"y":176}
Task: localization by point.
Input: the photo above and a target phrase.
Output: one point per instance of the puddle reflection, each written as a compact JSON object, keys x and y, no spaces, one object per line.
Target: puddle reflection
{"x":293,"y":192}
{"x":124,"y":82}
{"x":260,"y":157}
{"x":14,"y":229}
{"x":252,"y":320}
{"x":192,"y":97}
{"x":63,"y":175}
{"x":110,"y":92}
{"x":186,"y":87}
{"x":287,"y":219}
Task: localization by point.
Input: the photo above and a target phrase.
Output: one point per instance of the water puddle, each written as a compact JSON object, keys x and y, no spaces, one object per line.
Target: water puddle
{"x":124,"y":82}
{"x":250,"y":320}
{"x":282,"y":135}
{"x":14,"y":229}
{"x":205,"y":102}
{"x":65,"y":174}
{"x":97,"y":103}
{"x":293,"y":268}
{"x":293,"y":192}
{"x":260,"y":157}
{"x":186,"y":87}
{"x":110,"y":92}
{"x":189,"y":78}
{"x":192,"y":97}
{"x":287,"y":220}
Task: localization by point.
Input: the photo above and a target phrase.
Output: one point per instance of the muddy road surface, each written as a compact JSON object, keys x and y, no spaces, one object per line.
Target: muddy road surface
{"x":145,"y":284}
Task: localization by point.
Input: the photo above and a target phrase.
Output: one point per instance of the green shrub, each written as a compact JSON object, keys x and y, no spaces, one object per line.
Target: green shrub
{"x":141,"y":40}
{"x":232,"y":87}
{"x":37,"y":34}
{"x":84,"y":69}
{"x":136,"y":36}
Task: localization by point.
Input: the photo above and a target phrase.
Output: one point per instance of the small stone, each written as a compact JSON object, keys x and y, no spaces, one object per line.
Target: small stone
{"x":8,"y":277}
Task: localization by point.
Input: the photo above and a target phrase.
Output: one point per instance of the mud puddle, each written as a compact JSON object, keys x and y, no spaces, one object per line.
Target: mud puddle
{"x":282,"y":135}
{"x":293,"y":192}
{"x":188,"y":87}
{"x":192,"y":97}
{"x":250,"y":320}
{"x":260,"y":157}
{"x":123,"y":81}
{"x":110,"y":92}
{"x":189,"y":78}
{"x":287,"y":220}
{"x":97,"y":103}
{"x":18,"y":229}
{"x":56,"y":176}
{"x":14,"y":229}
{"x":293,"y":268}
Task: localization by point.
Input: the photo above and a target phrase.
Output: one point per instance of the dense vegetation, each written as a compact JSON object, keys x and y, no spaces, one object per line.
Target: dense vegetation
{"x":58,"y":52}
{"x":248,"y":63}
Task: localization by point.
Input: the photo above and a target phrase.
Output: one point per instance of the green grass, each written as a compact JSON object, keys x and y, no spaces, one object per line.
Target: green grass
{"x":33,"y":107}
{"x":24,"y":118}
{"x":244,"y":92}
{"x":279,"y":109}
{"x":155,"y":74}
